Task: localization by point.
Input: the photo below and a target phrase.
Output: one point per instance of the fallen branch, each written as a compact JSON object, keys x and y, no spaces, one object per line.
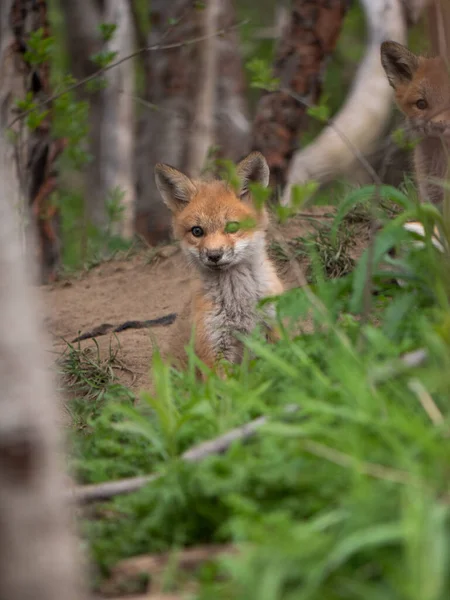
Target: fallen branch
{"x":186,"y":559}
{"x":104,"y":491}
{"x":154,"y":566}
{"x":105,"y":328}
{"x":86,"y":494}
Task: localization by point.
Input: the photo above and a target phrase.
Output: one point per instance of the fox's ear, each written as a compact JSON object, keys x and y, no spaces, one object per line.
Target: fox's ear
{"x":399,"y":63}
{"x":175,"y":188}
{"x":253,"y":169}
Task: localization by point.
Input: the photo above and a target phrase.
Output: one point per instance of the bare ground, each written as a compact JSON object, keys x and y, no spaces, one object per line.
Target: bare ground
{"x":144,"y":286}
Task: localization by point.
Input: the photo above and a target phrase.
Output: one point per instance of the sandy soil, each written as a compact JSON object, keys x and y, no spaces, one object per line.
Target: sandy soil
{"x":136,"y":288}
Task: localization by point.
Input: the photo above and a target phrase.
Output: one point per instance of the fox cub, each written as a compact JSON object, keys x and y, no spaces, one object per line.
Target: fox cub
{"x":222,"y":234}
{"x":422,"y":92}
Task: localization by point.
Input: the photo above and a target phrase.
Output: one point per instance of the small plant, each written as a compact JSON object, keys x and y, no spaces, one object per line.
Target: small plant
{"x":261,"y":75}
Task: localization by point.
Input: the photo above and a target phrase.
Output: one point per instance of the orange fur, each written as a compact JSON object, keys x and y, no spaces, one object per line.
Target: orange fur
{"x":232,"y":271}
{"x":422,"y":92}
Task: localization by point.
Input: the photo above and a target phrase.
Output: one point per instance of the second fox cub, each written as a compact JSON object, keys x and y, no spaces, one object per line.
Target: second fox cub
{"x":422,"y":92}
{"x":222,"y":234}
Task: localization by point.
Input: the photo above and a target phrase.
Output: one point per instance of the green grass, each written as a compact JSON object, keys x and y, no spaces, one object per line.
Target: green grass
{"x":345,"y":498}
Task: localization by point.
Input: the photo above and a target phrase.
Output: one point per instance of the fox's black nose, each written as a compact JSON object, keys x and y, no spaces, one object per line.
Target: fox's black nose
{"x":214,"y":255}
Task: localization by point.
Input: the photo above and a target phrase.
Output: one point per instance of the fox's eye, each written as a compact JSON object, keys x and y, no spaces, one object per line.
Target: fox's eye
{"x":421,"y":104}
{"x":197,"y":231}
{"x":232,"y":227}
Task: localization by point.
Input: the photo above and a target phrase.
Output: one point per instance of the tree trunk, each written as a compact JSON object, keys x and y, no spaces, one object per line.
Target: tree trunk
{"x":309,"y":39}
{"x":118,"y":117}
{"x":38,"y":170}
{"x":202,"y":126}
{"x":83,"y":40}
{"x":176,"y":112}
{"x":439,"y":28}
{"x":232,"y":134}
{"x":164,"y":121}
{"x":360,"y":122}
{"x":37,"y":549}
{"x":110,"y":109}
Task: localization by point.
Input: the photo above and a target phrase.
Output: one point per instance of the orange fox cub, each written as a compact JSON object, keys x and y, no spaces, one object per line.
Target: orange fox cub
{"x":422,"y":92}
{"x":222,"y":234}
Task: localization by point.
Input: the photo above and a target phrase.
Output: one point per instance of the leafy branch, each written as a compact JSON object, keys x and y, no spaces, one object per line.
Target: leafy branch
{"x":112,"y":65}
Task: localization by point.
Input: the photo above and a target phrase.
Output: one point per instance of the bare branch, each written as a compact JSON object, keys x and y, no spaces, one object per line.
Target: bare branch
{"x":100,"y":72}
{"x":105,"y":491}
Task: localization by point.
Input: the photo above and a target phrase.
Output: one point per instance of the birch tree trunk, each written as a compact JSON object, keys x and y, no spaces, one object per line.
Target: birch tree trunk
{"x":37,"y":548}
{"x":439,"y":27}
{"x":364,"y":115}
{"x":232,"y":123}
{"x":36,"y":149}
{"x":309,"y":38}
{"x":118,"y":116}
{"x":110,"y":109}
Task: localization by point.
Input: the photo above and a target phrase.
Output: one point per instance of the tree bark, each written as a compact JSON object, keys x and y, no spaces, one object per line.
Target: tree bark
{"x":309,"y":38}
{"x":118,"y":117}
{"x":38,"y":170}
{"x":83,"y":40}
{"x":365,"y":113}
{"x":202,"y":127}
{"x":232,"y":123}
{"x":438,"y":14}
{"x":110,"y":109}
{"x":175,"y":111}
{"x":37,"y":548}
{"x":164,"y":120}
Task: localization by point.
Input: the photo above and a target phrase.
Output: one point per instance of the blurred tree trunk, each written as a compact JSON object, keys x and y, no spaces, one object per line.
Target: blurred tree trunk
{"x":439,"y":27}
{"x":310,"y":37}
{"x":39,"y":151}
{"x":356,"y":129}
{"x":37,"y":548}
{"x":110,"y":108}
{"x":232,"y":136}
{"x":118,"y":116}
{"x":204,"y":99}
{"x":174,"y":78}
{"x":163,"y":124}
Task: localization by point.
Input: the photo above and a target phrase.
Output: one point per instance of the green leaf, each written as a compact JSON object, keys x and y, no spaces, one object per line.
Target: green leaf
{"x":232,"y":227}
{"x":320,"y":112}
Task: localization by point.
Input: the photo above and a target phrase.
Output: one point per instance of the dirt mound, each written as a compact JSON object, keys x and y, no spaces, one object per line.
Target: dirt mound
{"x":144,"y":286}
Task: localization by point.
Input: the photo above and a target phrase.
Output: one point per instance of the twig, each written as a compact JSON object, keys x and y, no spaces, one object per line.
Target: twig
{"x":415,"y":358}
{"x":426,"y":401}
{"x":187,"y":559}
{"x":103,"y":70}
{"x":105,"y":328}
{"x":104,"y":491}
{"x":347,"y":461}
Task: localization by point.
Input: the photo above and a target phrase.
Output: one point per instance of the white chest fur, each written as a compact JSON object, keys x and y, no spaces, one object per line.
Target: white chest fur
{"x":234,"y":295}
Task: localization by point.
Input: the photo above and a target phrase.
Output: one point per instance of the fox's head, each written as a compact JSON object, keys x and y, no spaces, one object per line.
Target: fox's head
{"x":422,"y":88}
{"x":217,"y":225}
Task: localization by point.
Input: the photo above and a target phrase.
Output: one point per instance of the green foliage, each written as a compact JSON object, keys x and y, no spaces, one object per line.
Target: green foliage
{"x":39,"y":48}
{"x":107,"y":31}
{"x":345,"y":494}
{"x":261,"y":75}
{"x":321,"y":112}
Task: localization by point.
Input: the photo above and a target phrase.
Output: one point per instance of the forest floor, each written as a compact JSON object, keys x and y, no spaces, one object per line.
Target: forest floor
{"x":151,"y":283}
